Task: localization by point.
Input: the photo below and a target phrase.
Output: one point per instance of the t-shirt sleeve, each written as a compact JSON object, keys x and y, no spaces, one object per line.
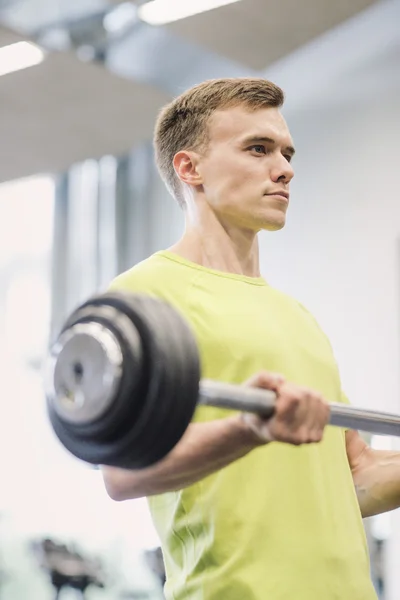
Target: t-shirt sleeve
{"x":135,"y":282}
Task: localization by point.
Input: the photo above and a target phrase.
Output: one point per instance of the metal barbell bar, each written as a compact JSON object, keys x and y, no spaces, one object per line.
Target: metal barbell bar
{"x":123,"y":383}
{"x":213,"y":393}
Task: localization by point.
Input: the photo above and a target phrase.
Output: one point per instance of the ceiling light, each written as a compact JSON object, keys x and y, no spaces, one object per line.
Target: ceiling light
{"x":121,"y":16}
{"x":20,"y":55}
{"x":160,"y":12}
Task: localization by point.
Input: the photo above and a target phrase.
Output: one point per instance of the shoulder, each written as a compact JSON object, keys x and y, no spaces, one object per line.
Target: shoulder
{"x":158,"y":275}
{"x":140,"y":277}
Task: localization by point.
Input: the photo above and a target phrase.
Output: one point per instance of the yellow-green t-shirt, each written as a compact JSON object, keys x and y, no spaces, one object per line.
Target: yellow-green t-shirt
{"x":282,"y":523}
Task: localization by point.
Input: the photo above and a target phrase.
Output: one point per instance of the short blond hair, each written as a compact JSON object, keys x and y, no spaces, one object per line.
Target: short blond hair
{"x":182,"y":124}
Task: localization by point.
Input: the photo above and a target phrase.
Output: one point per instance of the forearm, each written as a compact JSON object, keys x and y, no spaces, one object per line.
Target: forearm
{"x":377,"y":482}
{"x":204,"y":449}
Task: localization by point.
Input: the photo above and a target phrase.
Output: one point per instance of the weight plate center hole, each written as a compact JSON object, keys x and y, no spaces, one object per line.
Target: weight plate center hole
{"x":77,"y":368}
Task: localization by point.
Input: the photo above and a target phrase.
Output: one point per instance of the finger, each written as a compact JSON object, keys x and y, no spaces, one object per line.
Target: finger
{"x":299,"y":408}
{"x":266,"y":380}
{"x":319,"y":416}
{"x":290,"y":406}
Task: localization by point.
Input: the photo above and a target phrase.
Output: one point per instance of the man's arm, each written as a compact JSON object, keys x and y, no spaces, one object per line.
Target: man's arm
{"x":300,"y":417}
{"x":376,"y":475}
{"x":204,"y":449}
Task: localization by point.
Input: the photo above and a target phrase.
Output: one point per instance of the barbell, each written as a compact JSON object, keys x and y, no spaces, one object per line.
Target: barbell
{"x":123,"y":380}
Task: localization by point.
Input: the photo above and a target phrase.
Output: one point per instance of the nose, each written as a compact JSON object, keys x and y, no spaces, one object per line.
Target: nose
{"x":282,"y":170}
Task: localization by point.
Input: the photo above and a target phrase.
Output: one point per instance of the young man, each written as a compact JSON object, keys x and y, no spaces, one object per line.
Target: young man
{"x":247,"y":509}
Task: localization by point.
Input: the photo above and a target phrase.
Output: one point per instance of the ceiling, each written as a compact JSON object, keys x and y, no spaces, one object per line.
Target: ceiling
{"x":64,"y":111}
{"x":257,"y":33}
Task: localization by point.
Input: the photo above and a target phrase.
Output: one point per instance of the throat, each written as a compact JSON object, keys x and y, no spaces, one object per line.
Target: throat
{"x":220,"y":252}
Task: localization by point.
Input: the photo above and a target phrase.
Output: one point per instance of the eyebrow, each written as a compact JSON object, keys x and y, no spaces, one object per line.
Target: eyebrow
{"x":257,"y":138}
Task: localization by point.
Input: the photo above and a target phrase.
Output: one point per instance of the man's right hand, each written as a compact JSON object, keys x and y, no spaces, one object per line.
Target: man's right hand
{"x":300,"y":417}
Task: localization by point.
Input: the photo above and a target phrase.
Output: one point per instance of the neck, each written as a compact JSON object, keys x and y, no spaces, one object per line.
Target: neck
{"x":216,"y":245}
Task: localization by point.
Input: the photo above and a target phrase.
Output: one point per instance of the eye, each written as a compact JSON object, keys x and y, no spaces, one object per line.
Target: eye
{"x":288,"y":157}
{"x":259,"y":149}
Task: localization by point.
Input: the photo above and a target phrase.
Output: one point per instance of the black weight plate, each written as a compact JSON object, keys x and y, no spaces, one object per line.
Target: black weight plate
{"x":179,"y":396}
{"x":129,"y":449}
{"x":180,"y":347}
{"x":160,"y":409}
{"x":153,"y":427}
{"x":138,"y":447}
{"x":161,"y":438}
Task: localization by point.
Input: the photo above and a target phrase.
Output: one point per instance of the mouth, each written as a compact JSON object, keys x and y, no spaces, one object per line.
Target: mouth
{"x":279,"y":194}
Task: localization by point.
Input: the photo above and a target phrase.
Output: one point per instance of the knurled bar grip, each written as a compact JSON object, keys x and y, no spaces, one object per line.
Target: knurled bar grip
{"x":262,"y":402}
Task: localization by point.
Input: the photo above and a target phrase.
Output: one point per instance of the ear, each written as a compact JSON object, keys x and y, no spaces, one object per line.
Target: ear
{"x":186,"y":167}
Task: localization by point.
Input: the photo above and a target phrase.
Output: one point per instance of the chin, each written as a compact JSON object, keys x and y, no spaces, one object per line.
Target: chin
{"x":264,"y":225}
{"x":257,"y":226}
{"x":271,"y":221}
{"x":274,"y":226}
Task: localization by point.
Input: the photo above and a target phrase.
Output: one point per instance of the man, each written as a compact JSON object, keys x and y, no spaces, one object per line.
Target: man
{"x":248,"y":509}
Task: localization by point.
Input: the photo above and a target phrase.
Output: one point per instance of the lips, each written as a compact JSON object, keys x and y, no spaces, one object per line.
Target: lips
{"x":281,"y":193}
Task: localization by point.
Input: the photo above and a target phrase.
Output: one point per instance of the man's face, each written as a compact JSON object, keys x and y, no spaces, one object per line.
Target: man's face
{"x":246,"y":167}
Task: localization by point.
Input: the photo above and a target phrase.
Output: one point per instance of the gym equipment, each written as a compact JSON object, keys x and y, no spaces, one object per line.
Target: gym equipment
{"x":123,"y":382}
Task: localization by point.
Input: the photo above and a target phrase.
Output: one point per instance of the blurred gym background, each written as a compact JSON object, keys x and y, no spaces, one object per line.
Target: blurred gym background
{"x":80,"y":201}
